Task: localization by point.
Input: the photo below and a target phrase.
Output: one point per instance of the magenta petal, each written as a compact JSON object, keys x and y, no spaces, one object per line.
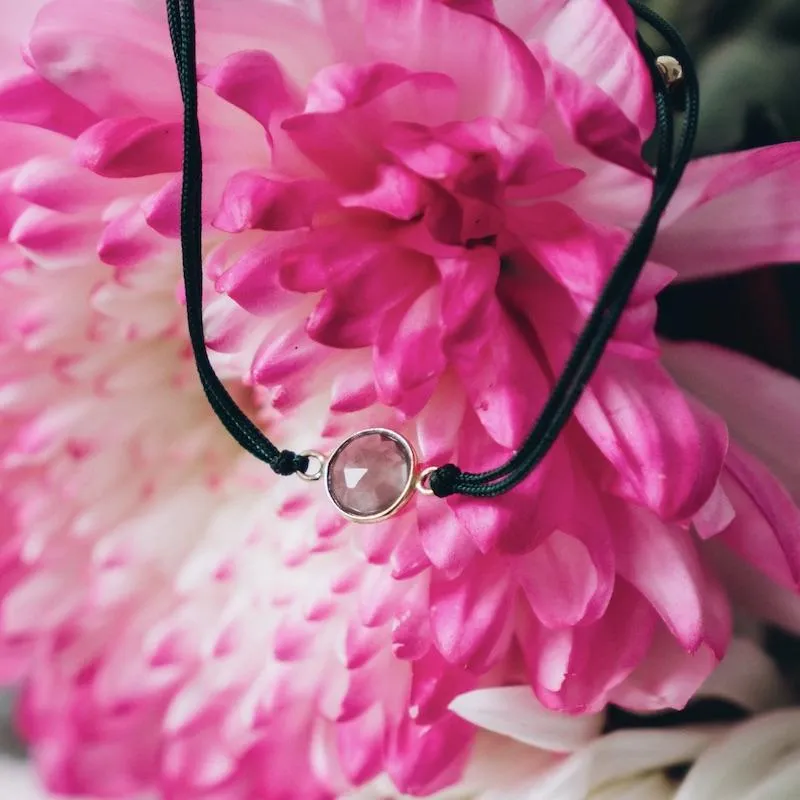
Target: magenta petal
{"x":253,"y":279}
{"x":445,"y":543}
{"x":502,"y":377}
{"x":352,"y":316}
{"x":559,"y":579}
{"x":766,"y":527}
{"x":353,"y":389}
{"x":278,"y":359}
{"x":359,"y":745}
{"x":127,"y":240}
{"x":648,"y":429}
{"x":423,"y":759}
{"x":162,"y":209}
{"x":574,"y":669}
{"x":434,"y":685}
{"x":34,"y":101}
{"x":253,"y":81}
{"x":732,"y":212}
{"x":130,"y":147}
{"x":471,"y":615}
{"x":396,"y":193}
{"x":253,"y":201}
{"x":408,"y":352}
{"x":663,"y":563}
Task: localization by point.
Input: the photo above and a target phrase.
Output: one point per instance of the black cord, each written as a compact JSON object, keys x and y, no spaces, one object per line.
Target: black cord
{"x":591,"y":343}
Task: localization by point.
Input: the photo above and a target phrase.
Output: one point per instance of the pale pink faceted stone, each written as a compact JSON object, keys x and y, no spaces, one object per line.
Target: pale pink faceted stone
{"x":369,"y":474}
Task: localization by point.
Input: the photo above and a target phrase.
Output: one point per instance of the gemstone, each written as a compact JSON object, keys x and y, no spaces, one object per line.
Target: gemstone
{"x":370,"y":474}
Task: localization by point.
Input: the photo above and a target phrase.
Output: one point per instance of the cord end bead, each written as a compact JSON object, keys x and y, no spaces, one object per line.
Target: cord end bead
{"x":442,"y":481}
{"x":288,"y":462}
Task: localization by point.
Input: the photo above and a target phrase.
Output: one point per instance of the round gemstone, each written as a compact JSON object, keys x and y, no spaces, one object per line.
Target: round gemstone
{"x":370,"y":474}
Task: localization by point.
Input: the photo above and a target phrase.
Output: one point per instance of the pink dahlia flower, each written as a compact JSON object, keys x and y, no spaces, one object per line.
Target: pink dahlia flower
{"x":411,"y":209}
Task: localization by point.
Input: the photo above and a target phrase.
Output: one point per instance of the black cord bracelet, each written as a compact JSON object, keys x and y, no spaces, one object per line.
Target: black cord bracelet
{"x":388,"y":445}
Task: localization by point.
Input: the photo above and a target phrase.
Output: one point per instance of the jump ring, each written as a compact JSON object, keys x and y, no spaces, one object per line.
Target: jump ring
{"x":319,"y":459}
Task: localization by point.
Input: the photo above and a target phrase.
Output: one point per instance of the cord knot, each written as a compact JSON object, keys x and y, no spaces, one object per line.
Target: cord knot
{"x":288,"y":462}
{"x":443,"y":481}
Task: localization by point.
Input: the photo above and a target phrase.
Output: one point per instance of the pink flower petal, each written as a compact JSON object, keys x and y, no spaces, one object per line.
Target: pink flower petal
{"x":408,"y":353}
{"x":490,"y":353}
{"x":444,"y":541}
{"x":435,"y":37}
{"x":253,"y":279}
{"x":598,"y":42}
{"x":760,"y":405}
{"x":396,"y":192}
{"x":668,"y":678}
{"x":127,"y":240}
{"x":113,"y":58}
{"x":574,"y":669}
{"x":424,"y":759}
{"x":648,"y":429}
{"x":61,"y":185}
{"x":353,"y":315}
{"x":662,"y":562}
{"x":254,"y":81}
{"x":766,"y":527}
{"x":732,"y":212}
{"x":34,"y":101}
{"x":253,"y":201}
{"x":131,"y":147}
{"x":560,"y":580}
{"x":471,"y":617}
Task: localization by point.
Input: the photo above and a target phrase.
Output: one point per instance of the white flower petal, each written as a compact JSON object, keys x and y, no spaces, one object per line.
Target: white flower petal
{"x":735,"y":767}
{"x":515,"y":712}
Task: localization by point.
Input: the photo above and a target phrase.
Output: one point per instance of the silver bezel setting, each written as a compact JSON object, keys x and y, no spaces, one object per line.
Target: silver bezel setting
{"x":408,"y":489}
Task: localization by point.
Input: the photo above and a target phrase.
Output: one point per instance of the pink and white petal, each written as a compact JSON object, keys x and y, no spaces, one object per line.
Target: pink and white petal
{"x":597,"y":41}
{"x":766,"y":528}
{"x":472,"y":616}
{"x":396,"y":192}
{"x":761,"y":405}
{"x":352,"y":316}
{"x":435,"y":37}
{"x":446,"y":544}
{"x":663,"y":563}
{"x":422,"y":759}
{"x":253,"y":280}
{"x":61,"y":185}
{"x":32,"y":100}
{"x":254,"y":81}
{"x":574,"y":669}
{"x":408,"y":352}
{"x":595,"y":124}
{"x":127,"y":240}
{"x":668,"y":678}
{"x":113,"y":57}
{"x":254,"y":201}
{"x":130,"y":147}
{"x":648,"y":429}
{"x":502,"y":378}
{"x":434,"y":684}
{"x":732,"y":212}
{"x":753,"y":591}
